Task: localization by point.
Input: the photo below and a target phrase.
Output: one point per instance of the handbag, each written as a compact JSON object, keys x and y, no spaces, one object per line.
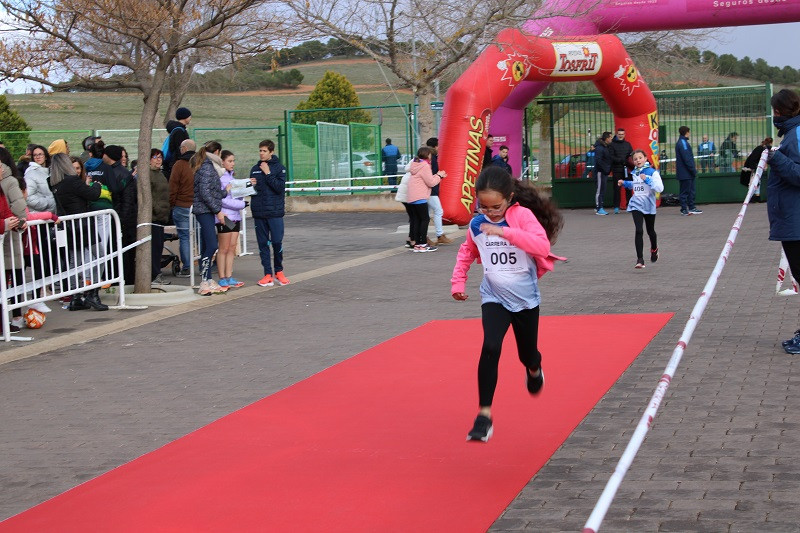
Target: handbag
{"x":402,"y":188}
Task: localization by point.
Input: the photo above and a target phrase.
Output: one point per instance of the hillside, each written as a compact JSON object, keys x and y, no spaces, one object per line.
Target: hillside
{"x":118,"y":110}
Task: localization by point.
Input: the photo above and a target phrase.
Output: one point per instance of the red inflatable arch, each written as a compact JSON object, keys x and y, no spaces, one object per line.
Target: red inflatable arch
{"x":518,"y":58}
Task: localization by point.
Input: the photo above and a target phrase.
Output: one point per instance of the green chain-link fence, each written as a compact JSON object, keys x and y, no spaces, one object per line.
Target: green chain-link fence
{"x":16,"y":141}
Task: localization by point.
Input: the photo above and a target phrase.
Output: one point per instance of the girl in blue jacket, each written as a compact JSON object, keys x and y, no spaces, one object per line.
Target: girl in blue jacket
{"x":783,"y":188}
{"x":645,"y":183}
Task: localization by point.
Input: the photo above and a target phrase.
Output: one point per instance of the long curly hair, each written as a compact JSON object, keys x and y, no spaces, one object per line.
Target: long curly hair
{"x":497,"y":179}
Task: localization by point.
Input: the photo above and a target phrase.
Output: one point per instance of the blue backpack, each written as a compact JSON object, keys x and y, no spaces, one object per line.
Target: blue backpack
{"x":165,"y":146}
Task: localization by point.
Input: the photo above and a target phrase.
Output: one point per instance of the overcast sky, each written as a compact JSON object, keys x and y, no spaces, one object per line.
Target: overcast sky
{"x":777,"y":44}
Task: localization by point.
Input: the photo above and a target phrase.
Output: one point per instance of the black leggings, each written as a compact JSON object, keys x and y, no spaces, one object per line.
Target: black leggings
{"x":419,"y":220}
{"x":496,"y":320}
{"x":792,"y":251}
{"x":650,"y":222}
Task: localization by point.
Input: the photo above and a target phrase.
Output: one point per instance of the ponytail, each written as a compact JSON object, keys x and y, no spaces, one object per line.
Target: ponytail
{"x":197,"y":159}
{"x":494,"y":178}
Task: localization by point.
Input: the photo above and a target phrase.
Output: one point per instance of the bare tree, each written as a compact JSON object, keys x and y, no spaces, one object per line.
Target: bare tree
{"x":417,"y":40}
{"x":143,"y":45}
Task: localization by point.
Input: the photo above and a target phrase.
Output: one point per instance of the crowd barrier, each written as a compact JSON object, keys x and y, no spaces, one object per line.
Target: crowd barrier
{"x":607,"y":497}
{"x":80,"y":253}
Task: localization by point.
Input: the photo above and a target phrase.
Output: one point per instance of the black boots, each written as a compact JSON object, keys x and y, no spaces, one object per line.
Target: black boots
{"x":87,"y":300}
{"x":92,"y":299}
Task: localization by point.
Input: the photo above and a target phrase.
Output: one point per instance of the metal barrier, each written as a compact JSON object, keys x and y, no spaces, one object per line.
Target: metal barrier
{"x":83,"y":256}
{"x":604,"y":501}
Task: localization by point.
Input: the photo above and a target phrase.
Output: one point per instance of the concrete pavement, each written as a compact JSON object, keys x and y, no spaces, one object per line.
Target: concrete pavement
{"x":721,"y":456}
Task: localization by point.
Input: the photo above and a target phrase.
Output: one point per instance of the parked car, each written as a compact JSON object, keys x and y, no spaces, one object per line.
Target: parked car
{"x":364,"y":164}
{"x":402,"y":163}
{"x":572,"y":166}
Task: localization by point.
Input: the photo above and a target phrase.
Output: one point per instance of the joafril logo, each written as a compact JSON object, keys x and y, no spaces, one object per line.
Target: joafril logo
{"x":587,"y":64}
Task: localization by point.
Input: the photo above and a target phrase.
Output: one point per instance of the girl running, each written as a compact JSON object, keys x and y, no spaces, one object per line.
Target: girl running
{"x":511,"y":235}
{"x":646,"y":183}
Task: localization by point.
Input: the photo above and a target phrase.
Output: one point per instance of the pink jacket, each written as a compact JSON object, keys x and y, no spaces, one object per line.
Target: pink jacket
{"x":523,"y":231}
{"x":40,"y":215}
{"x":422,"y":180}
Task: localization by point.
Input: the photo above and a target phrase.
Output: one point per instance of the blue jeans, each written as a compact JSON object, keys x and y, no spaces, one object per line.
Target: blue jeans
{"x":208,"y":243}
{"x":181,"y":217}
{"x":270,"y":231}
{"x":436,"y":212}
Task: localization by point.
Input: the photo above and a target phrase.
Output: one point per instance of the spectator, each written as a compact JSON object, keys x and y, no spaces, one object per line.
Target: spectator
{"x":686,"y":172}
{"x":181,"y":196}
{"x":728,"y":152}
{"x":9,"y":222}
{"x":177,"y":131}
{"x":25,"y":160}
{"x":783,"y":188}
{"x":34,"y":244}
{"x":87,"y":143}
{"x":228,"y":231}
{"x":501,"y":159}
{"x":601,"y":170}
{"x":59,"y":146}
{"x":487,"y":153}
{"x":434,"y":203}
{"x":16,"y":201}
{"x":706,"y":152}
{"x":390,"y":155}
{"x":159,"y":191}
{"x":124,"y":199}
{"x":207,"y":207}
{"x":268,"y":206}
{"x":419,"y":190}
{"x":37,"y":175}
{"x":124,"y":160}
{"x":73,"y":196}
{"x":750,"y":166}
{"x":620,"y":151}
{"x":98,"y":171}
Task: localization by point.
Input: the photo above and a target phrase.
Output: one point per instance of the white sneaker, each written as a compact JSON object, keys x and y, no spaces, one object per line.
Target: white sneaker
{"x":41,"y":307}
{"x":17,"y":321}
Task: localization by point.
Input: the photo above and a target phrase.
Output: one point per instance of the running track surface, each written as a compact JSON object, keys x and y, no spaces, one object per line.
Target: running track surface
{"x":375,"y":443}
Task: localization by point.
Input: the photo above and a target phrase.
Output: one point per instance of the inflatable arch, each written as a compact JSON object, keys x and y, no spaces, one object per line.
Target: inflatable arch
{"x":490,"y":97}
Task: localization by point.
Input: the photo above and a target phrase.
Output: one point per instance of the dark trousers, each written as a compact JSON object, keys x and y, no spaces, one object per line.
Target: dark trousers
{"x":418,"y":222}
{"x":619,"y":174}
{"x":650,"y":222}
{"x":270,"y":231}
{"x":157,"y":248}
{"x":496,"y":320}
{"x":687,"y":194}
{"x":208,"y":243}
{"x":792,"y":251}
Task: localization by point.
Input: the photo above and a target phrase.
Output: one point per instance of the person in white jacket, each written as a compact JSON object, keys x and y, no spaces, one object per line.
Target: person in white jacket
{"x":40,"y":198}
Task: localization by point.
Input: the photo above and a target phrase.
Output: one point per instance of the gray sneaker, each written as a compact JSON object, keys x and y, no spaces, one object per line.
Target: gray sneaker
{"x":159,"y":280}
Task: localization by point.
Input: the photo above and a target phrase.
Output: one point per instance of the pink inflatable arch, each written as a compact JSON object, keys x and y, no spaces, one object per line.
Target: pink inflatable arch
{"x":490,"y":97}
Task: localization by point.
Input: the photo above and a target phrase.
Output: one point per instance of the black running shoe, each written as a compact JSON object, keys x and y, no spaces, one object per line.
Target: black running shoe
{"x":535,"y":384}
{"x":482,"y":430}
{"x":654,"y":255}
{"x":793,"y":340}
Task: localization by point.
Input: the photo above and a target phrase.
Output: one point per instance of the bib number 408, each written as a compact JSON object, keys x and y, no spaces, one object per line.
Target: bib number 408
{"x":503,"y":258}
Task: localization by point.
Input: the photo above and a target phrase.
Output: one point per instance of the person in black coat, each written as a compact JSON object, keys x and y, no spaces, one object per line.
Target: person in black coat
{"x":601,"y":170}
{"x":73,"y":196}
{"x":620,"y":151}
{"x":122,"y":187}
{"x":750,"y":165}
{"x":268,"y":206}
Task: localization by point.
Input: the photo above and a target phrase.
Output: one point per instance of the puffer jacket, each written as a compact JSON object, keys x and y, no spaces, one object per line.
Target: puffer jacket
{"x":422,"y":179}
{"x":159,"y":189}
{"x":208,"y":192}
{"x":231,"y":207}
{"x":783,"y":187}
{"x":270,"y":200}
{"x":40,"y":198}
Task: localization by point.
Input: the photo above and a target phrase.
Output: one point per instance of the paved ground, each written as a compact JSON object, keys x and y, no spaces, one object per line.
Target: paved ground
{"x":722,"y":455}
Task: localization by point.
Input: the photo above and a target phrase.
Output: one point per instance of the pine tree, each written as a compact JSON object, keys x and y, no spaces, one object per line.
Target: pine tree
{"x":13,"y":129}
{"x":332,"y":92}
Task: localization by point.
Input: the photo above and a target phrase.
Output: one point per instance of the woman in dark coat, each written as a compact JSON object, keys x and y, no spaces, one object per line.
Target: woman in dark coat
{"x":783,"y":188}
{"x":73,"y":196}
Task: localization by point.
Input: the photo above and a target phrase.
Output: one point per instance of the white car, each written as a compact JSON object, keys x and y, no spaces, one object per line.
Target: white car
{"x":364,"y":164}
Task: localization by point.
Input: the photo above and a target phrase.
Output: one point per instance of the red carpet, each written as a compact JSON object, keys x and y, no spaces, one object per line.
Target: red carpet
{"x":374,"y":444}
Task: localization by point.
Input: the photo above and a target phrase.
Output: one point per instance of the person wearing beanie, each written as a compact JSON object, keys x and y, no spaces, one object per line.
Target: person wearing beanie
{"x":178,"y":132}
{"x":59,"y":146}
